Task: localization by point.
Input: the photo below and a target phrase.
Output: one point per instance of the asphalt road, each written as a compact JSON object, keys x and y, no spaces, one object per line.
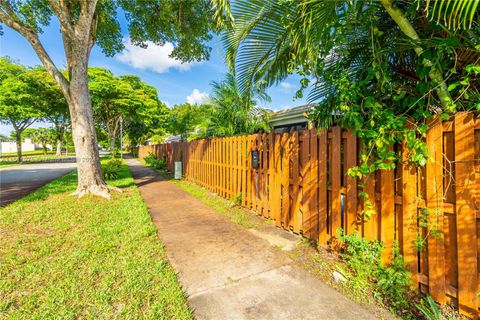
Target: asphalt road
{"x":18,"y":181}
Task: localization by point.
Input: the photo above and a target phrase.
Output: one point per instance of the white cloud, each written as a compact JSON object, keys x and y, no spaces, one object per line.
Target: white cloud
{"x":154,"y":57}
{"x":286,"y":85}
{"x":197,"y":97}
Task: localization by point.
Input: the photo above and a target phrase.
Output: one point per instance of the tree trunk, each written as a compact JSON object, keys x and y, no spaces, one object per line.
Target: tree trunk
{"x":112,"y":138}
{"x":19,"y":146}
{"x":90,"y":179}
{"x":78,"y":39}
{"x":58,"y":151}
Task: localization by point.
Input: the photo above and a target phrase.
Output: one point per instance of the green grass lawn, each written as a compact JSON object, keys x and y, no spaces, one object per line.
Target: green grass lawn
{"x":7,"y":164}
{"x":90,"y":258}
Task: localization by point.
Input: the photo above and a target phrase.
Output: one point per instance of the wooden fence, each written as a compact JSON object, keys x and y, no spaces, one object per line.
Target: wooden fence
{"x":301,"y":184}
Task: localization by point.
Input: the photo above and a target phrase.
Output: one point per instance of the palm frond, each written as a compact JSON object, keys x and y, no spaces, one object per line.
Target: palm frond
{"x":456,"y":14}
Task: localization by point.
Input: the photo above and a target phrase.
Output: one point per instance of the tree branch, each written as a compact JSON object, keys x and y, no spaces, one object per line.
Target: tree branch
{"x":85,"y":19}
{"x":63,"y":15}
{"x":12,"y":21}
{"x":26,"y":123}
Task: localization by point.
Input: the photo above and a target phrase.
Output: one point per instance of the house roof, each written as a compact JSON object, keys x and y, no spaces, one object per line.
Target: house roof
{"x":292,"y":115}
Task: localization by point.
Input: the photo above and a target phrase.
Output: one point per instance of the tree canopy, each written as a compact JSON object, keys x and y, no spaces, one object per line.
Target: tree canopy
{"x":21,"y":101}
{"x":185,"y":23}
{"x":371,"y":66}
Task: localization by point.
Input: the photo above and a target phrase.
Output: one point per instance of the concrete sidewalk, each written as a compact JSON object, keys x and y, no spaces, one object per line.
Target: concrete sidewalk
{"x":226,"y":271}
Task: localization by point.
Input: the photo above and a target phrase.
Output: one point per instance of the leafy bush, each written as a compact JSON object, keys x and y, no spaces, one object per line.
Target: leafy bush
{"x":389,"y":284}
{"x":111,"y":169}
{"x":237,"y":200}
{"x":152,"y":161}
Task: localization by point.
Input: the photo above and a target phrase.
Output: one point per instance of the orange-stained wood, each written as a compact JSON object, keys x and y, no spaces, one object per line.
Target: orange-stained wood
{"x":434,"y":200}
{"x":312,"y":231}
{"x":285,"y":215}
{"x":322,"y":188}
{"x":335,"y":177}
{"x":409,"y":215}
{"x":466,"y":214}
{"x":296,"y":214}
{"x":277,"y":181}
{"x":351,"y":184}
{"x":305,"y":182}
{"x":387,"y":213}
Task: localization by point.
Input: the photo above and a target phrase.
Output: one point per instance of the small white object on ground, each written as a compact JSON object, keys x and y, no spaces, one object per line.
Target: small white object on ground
{"x":338,"y":277}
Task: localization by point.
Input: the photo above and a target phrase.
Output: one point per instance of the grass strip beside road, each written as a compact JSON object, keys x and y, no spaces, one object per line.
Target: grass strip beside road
{"x":66,"y":258}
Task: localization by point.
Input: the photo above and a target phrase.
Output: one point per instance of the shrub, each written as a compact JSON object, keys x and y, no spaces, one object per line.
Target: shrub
{"x":152,"y":161}
{"x":390,"y":284}
{"x":111,"y":169}
{"x":237,"y":200}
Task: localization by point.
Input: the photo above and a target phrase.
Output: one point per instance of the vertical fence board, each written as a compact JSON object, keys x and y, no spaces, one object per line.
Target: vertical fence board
{"x":271,"y":172}
{"x":296,"y":217}
{"x":387,"y":215}
{"x":465,"y":213}
{"x":409,"y":218}
{"x":285,"y":213}
{"x":312,"y":223}
{"x":305,"y":182}
{"x":351,"y":184}
{"x":434,"y":201}
{"x":264,"y":176}
{"x":256,"y":172}
{"x":244,"y":173}
{"x":335,"y":179}
{"x":277,"y":181}
{"x":370,"y":224}
{"x":322,"y":188}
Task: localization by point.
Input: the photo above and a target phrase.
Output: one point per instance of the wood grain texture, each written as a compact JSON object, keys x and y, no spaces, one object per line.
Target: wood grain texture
{"x":466,"y":214}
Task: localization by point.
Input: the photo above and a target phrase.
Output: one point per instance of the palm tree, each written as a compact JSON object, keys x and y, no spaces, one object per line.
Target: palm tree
{"x":235,"y":113}
{"x":267,"y":40}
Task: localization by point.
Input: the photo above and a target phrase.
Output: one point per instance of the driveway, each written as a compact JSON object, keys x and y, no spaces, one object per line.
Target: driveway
{"x":18,"y":181}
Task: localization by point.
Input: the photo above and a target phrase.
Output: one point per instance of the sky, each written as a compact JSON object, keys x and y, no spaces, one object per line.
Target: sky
{"x":176,"y":82}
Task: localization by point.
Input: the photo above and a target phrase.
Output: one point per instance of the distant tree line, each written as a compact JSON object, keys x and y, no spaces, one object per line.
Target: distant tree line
{"x":29,"y":95}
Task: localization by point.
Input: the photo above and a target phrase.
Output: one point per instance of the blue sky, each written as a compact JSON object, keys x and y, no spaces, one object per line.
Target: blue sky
{"x":176,"y":82}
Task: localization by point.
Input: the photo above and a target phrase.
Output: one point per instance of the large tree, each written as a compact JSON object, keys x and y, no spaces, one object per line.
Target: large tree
{"x":21,"y":103}
{"x":84,"y":23}
{"x":119,"y":97}
{"x":111,"y":100}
